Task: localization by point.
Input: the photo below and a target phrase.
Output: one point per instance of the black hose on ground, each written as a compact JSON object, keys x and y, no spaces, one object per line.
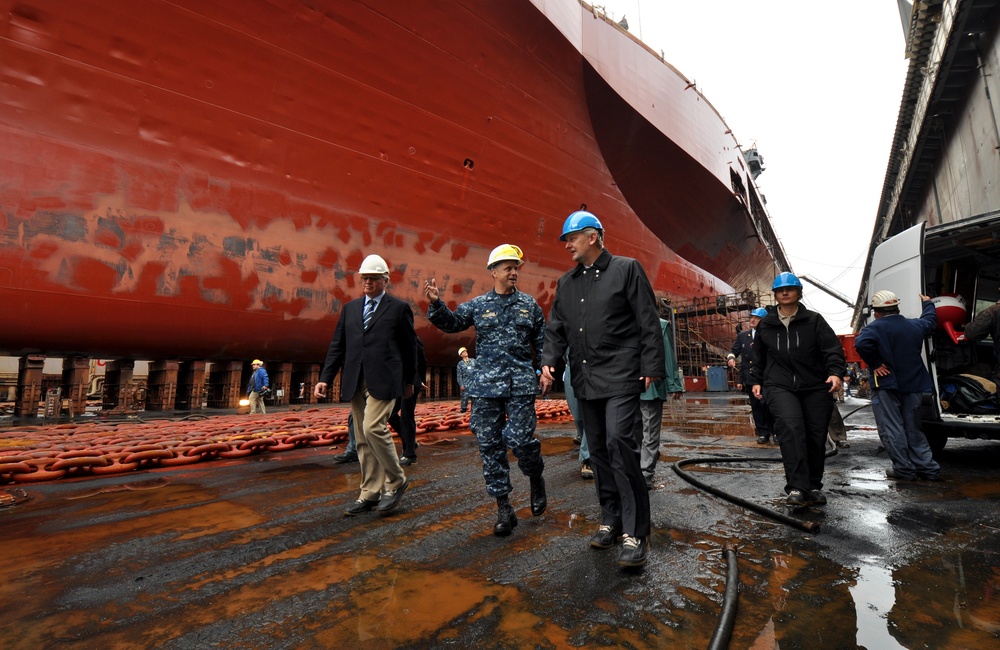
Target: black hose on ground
{"x":808,"y":526}
{"x":863,"y":406}
{"x":724,"y":628}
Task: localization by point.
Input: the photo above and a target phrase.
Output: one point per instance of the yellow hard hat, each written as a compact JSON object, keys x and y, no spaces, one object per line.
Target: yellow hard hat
{"x":505,"y":252}
{"x":257,"y":362}
{"x":461,"y":350}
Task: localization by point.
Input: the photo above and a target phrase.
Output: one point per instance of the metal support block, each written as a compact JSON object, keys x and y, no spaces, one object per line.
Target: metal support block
{"x":280,"y":376}
{"x":161,"y":393}
{"x":305,"y":376}
{"x":75,"y":381}
{"x":190,"y":386}
{"x":225,"y":384}
{"x":29,"y":385}
{"x":118,"y":384}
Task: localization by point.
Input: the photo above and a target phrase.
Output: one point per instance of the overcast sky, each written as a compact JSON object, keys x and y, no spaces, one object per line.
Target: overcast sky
{"x":817,"y":86}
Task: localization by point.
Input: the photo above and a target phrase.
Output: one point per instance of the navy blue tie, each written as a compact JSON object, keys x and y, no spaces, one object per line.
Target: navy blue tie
{"x":369,"y":312}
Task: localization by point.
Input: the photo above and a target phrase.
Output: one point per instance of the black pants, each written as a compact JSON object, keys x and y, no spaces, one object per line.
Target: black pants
{"x":801,"y":419}
{"x":762,"y":419}
{"x":614,"y":457}
{"x":404,"y":421}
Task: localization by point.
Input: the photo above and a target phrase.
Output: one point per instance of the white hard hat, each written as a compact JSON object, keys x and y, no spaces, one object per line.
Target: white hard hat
{"x":374,"y":265}
{"x":505,"y":252}
{"x":883,"y":299}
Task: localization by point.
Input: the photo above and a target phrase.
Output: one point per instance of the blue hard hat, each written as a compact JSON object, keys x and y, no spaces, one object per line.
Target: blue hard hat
{"x":786,"y":279}
{"x":578,"y":221}
{"x":760,"y":312}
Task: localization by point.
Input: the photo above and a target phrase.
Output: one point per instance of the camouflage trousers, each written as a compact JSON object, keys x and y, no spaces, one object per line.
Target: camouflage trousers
{"x":501,"y":423}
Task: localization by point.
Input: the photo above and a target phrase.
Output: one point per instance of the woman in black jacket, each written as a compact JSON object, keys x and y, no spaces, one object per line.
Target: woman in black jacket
{"x":799,"y":362}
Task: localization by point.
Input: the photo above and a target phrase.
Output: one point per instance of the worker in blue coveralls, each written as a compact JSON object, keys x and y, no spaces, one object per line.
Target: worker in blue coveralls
{"x":510,"y":330}
{"x":891,"y":346}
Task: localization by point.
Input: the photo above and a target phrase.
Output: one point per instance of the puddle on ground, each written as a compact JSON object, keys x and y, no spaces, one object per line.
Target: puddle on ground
{"x":874,"y":597}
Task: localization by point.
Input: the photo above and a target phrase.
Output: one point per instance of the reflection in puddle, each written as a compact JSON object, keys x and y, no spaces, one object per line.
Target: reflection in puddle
{"x":877,"y":522}
{"x":874,"y":595}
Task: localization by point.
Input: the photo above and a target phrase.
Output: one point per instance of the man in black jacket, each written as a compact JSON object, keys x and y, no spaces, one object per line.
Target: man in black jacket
{"x":375,"y":344}
{"x":605,"y":314}
{"x":741,"y":348}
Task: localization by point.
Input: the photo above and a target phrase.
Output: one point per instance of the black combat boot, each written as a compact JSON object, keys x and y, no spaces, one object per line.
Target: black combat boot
{"x":538,"y":500}
{"x":506,"y":519}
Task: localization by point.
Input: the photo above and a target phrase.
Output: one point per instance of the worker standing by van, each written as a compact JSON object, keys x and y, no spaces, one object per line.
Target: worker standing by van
{"x":891,"y":346}
{"x":987,"y":323}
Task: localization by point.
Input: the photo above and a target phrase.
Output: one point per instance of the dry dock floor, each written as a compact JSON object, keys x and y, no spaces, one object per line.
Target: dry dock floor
{"x":256,"y":553}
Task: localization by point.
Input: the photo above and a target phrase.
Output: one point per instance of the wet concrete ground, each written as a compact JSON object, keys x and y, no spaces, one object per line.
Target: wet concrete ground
{"x":256,"y":553}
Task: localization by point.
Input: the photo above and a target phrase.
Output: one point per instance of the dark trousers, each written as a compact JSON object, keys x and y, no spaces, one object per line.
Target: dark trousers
{"x":404,"y":421}
{"x":801,"y":419}
{"x":762,"y":420}
{"x":614,"y":457}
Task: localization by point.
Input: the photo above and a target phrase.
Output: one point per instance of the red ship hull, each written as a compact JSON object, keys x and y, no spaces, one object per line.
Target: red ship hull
{"x":191,"y":180}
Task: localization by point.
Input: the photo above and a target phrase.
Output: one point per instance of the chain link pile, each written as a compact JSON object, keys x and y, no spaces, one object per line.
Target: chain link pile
{"x":32,"y":454}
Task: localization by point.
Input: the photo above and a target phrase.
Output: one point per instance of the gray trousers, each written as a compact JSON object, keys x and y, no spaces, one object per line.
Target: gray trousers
{"x":898,"y":419}
{"x":648,"y":424}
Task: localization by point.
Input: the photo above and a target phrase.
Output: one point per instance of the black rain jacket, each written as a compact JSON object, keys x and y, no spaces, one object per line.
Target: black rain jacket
{"x":606,"y":316}
{"x":800,"y":357}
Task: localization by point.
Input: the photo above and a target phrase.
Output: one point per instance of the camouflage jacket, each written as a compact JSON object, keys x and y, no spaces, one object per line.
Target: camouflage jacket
{"x":509,"y":337}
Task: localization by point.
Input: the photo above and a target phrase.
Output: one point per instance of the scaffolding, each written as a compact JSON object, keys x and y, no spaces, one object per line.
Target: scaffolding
{"x":706,"y":328}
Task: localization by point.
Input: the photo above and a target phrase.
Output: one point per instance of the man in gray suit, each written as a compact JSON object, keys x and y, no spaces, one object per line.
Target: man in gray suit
{"x":375,"y":345}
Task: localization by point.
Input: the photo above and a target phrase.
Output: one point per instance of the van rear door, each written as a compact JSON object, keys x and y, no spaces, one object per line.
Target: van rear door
{"x":898,"y":266}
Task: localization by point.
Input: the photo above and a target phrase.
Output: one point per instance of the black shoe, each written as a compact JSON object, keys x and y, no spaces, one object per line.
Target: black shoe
{"x":762,"y":440}
{"x":361,"y":506}
{"x":796,"y":498}
{"x":605,"y":536}
{"x":634,"y":551}
{"x":391,"y":498}
{"x":649,"y":482}
{"x":407,"y":460}
{"x":538,"y":499}
{"x":577,"y":440}
{"x":346,"y":457}
{"x":893,"y":475}
{"x":506,"y":521}
{"x":929,"y":477}
{"x":817,"y":498}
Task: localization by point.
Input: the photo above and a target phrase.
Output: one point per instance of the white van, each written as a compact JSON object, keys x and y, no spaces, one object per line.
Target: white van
{"x":960,"y":258}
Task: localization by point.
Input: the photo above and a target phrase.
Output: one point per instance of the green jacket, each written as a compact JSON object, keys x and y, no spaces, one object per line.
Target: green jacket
{"x":672,"y":384}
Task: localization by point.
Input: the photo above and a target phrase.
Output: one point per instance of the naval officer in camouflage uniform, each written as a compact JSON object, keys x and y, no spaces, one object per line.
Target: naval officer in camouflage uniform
{"x":510,"y":328}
